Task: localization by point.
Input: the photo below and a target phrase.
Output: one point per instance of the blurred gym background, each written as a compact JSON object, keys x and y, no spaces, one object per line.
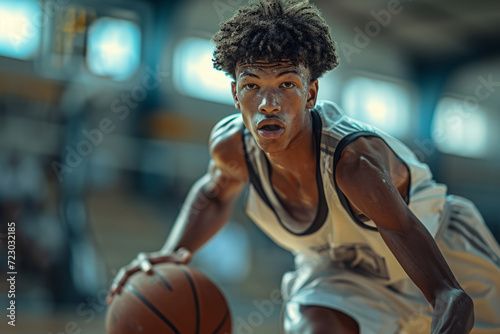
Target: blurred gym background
{"x":105,"y":111}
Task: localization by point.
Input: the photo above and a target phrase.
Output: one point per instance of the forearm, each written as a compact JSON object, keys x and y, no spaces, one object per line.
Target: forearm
{"x":422,"y":260}
{"x":201,"y":217}
{"x":204,"y":212}
{"x":366,"y":177}
{"x":420,"y":257}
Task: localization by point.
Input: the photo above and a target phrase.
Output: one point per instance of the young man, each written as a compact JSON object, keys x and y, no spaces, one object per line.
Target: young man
{"x":374,"y":236}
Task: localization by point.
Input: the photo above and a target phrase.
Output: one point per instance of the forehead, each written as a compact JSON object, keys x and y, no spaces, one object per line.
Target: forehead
{"x":270,"y":68}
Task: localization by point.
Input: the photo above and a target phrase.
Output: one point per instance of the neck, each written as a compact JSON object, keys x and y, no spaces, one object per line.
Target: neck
{"x":299,"y":158}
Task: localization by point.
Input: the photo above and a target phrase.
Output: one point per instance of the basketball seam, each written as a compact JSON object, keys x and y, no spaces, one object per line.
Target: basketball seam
{"x":193,"y":288}
{"x":152,"y":307}
{"x":222,"y":322}
{"x":164,"y":281}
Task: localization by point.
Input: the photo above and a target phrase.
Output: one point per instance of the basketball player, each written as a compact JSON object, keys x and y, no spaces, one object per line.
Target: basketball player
{"x":379,"y":246}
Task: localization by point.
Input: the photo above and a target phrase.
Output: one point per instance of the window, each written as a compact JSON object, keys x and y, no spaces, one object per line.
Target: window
{"x":19,"y":28}
{"x":114,"y":48}
{"x":383,"y":104}
{"x":459,"y":130}
{"x":194,"y":74}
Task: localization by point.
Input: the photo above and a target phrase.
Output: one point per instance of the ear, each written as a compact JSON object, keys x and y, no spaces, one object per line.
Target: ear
{"x":235,"y":96}
{"x":312,"y":94}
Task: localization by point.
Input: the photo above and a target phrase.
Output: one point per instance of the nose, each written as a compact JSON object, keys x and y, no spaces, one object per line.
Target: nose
{"x":270,"y":103}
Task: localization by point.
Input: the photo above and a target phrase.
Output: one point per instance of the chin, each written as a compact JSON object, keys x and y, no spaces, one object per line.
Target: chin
{"x":270,"y":147}
{"x":267,"y":145}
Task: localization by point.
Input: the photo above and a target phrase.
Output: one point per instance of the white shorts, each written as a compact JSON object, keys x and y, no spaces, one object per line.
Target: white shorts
{"x":470,"y":250}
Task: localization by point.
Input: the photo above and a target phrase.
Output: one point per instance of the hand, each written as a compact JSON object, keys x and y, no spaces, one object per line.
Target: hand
{"x":145,"y":262}
{"x":453,"y":313}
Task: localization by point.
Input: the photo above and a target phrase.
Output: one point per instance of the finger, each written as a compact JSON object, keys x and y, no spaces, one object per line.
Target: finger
{"x":144,"y":263}
{"x":183,"y":255}
{"x":116,"y":280}
{"x":180,"y":256}
{"x":109,"y":299}
{"x":120,"y":279}
{"x":146,"y":266}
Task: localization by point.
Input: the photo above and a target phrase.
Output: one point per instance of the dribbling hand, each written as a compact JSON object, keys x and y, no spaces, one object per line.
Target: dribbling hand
{"x":145,"y":262}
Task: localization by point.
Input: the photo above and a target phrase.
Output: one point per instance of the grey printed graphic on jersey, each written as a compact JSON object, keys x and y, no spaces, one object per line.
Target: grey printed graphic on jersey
{"x":362,"y":259}
{"x":357,"y":257}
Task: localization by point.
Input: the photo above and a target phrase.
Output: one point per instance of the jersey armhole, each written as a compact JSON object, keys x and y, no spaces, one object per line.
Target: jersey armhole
{"x":338,"y":153}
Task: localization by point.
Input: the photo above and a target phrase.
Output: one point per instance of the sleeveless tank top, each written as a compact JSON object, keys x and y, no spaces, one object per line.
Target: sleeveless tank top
{"x":336,"y":233}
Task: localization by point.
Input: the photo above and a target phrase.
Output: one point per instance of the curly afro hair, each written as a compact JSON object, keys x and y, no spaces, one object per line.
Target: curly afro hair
{"x":275,"y":30}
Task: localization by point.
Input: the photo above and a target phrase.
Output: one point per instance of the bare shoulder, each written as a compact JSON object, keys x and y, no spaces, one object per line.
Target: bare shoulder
{"x":226,"y":147}
{"x":373,"y":149}
{"x":369,"y":160}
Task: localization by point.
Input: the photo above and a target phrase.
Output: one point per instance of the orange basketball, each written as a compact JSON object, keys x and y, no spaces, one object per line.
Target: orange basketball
{"x":174,"y":299}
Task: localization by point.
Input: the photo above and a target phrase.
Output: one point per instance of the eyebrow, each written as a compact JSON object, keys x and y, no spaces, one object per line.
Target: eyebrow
{"x":286,"y":72}
{"x":246,"y":73}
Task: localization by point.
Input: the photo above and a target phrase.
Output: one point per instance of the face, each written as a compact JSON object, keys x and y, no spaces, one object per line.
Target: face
{"x":274,"y":98}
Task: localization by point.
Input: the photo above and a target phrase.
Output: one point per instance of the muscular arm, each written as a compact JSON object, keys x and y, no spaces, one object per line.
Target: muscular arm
{"x":211,"y":199}
{"x":206,"y":208}
{"x":365,"y":175}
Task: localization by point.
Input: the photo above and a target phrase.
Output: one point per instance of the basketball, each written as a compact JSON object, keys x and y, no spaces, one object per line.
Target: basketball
{"x":174,"y":299}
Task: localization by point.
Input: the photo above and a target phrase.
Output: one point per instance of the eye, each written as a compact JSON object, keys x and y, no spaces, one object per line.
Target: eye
{"x":288,"y":84}
{"x":251,"y":86}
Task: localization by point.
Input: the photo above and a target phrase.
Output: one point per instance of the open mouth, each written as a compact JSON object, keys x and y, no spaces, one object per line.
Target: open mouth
{"x":270,"y":129}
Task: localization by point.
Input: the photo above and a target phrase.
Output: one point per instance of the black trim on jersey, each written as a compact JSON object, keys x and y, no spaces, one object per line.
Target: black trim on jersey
{"x":254,"y":177}
{"x":229,"y":119}
{"x":338,"y":152}
{"x":322,"y":210}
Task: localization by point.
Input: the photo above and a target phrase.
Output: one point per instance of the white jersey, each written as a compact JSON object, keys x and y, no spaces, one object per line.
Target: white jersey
{"x":336,"y":232}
